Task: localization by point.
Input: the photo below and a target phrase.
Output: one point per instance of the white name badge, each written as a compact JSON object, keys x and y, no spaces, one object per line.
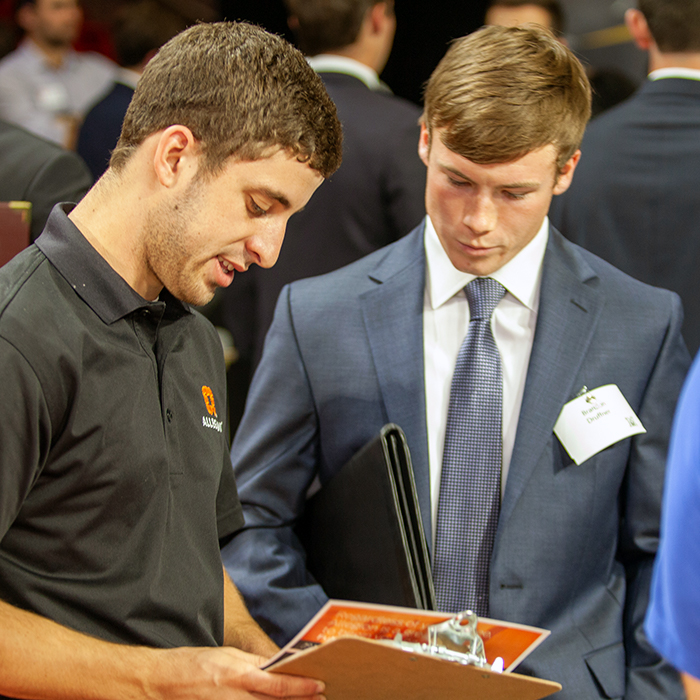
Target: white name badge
{"x":595,"y":420}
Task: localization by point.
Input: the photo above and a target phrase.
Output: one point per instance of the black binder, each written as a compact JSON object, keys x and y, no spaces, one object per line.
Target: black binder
{"x":363,"y":532}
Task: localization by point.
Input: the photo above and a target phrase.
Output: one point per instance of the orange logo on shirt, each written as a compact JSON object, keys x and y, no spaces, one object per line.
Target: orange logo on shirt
{"x":208,"y":395}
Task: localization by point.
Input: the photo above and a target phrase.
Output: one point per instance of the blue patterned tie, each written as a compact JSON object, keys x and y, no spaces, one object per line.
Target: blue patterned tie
{"x":470,"y":484}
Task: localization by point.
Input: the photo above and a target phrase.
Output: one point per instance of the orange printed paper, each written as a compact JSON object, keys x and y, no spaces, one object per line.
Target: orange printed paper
{"x":510,"y":641}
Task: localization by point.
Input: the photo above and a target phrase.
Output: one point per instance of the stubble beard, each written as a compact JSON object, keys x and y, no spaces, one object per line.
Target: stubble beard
{"x":169,"y":257}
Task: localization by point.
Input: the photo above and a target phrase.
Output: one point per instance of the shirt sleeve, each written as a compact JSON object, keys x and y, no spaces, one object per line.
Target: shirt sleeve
{"x":229,"y":514}
{"x":25,"y":432}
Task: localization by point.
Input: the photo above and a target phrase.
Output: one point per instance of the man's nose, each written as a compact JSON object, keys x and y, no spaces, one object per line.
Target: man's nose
{"x":481,"y":215}
{"x":265,"y":247}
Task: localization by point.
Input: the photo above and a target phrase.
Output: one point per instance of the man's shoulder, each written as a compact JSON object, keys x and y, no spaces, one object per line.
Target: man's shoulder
{"x":620,"y":289}
{"x":15,"y":139}
{"x":14,"y":63}
{"x":353,"y":97}
{"x":94,"y":60}
{"x":364,"y":274}
{"x":33,"y":311}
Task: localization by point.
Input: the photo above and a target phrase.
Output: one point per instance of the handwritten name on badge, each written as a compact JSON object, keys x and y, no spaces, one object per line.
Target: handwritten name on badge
{"x":595,"y":420}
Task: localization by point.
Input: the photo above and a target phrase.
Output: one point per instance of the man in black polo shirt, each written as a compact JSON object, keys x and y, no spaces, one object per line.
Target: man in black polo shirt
{"x":115,"y":481}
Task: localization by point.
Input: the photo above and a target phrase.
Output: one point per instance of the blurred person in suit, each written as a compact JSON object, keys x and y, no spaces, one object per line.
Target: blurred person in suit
{"x":39,"y":171}
{"x":390,"y":338}
{"x":140,"y":29}
{"x":634,"y":200}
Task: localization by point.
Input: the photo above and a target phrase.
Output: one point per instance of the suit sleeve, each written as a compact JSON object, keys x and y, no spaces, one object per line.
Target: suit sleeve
{"x":25,"y":432}
{"x":62,"y":178}
{"x":274,"y":456}
{"x":648,"y":676}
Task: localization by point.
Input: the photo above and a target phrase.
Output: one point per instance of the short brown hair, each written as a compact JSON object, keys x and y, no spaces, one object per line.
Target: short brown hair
{"x":502,"y":92}
{"x":552,"y":7}
{"x":674,"y":24}
{"x":327,"y":25}
{"x":241,"y":91}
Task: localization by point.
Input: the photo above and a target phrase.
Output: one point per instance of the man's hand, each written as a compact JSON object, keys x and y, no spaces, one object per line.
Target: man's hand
{"x":213,"y":673}
{"x":44,"y":660}
{"x":692,"y":686}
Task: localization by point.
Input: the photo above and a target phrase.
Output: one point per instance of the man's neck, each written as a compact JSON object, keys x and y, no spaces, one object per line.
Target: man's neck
{"x":355,"y":52}
{"x":658,"y":60}
{"x":116,"y":231}
{"x":54,"y":55}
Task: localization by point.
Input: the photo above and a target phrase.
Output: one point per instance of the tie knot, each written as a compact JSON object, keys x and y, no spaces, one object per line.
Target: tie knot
{"x":483,"y":295}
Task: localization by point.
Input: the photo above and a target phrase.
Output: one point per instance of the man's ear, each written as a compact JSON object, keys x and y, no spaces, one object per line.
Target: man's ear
{"x":176,"y":155}
{"x":639,"y":29}
{"x":566,"y":174}
{"x":26,"y":17}
{"x":424,"y":144}
{"x":378,"y":15}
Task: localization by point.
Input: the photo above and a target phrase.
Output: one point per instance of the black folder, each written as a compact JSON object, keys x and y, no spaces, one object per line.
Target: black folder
{"x":363,"y":532}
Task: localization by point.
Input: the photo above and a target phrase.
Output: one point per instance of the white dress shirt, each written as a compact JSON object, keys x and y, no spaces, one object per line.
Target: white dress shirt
{"x":686,"y":73}
{"x":445,"y":325}
{"x":330,"y":63}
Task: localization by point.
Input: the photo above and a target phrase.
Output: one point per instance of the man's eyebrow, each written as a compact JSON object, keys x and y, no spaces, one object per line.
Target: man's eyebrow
{"x":511,"y":186}
{"x":272,"y":194}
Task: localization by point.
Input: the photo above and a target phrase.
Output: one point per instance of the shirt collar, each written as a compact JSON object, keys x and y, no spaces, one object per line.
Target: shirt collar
{"x":328,"y":63}
{"x":687,"y":73}
{"x":520,"y":276}
{"x":128,"y":77}
{"x":90,"y":275}
{"x":32,"y":54}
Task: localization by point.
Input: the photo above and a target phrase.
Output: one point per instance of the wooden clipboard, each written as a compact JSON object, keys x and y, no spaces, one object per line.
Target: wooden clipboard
{"x":354,"y":668}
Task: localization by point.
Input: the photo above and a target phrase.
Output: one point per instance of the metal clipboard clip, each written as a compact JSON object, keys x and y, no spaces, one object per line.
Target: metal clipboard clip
{"x":454,"y":640}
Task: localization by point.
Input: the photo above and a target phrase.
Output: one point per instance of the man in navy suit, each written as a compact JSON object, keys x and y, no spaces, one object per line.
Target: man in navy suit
{"x":378,"y":342}
{"x":140,"y":30}
{"x":377,"y":194}
{"x":634,"y":201}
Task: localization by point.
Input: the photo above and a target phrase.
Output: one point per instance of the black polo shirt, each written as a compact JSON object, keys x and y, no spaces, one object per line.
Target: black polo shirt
{"x":114,"y":465}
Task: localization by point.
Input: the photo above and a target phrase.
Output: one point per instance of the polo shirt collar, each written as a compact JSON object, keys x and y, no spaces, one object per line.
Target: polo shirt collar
{"x":520,"y":276}
{"x":91,"y":276}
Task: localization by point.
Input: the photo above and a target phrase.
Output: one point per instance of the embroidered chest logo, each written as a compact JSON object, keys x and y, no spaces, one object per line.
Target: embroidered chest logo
{"x":210,"y":420}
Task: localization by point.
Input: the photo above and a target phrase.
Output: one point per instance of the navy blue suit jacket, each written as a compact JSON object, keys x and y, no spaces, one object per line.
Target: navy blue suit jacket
{"x":634,"y":200}
{"x":575,"y":544}
{"x":102,"y":127}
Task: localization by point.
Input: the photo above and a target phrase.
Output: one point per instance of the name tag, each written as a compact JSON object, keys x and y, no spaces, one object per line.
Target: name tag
{"x":595,"y":420}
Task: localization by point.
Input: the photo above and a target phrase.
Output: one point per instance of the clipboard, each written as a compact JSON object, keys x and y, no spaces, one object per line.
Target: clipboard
{"x":363,"y":532}
{"x":355,"y":668}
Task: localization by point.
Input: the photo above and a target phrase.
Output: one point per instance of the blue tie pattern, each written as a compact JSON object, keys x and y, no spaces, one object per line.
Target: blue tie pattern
{"x":470,"y":484}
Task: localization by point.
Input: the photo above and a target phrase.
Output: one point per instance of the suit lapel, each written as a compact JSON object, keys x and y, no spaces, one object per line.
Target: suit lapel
{"x":393,"y":315}
{"x":568,"y":314}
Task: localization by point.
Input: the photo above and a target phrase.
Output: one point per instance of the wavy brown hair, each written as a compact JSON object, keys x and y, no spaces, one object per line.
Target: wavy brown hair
{"x":502,"y":92}
{"x":241,"y":91}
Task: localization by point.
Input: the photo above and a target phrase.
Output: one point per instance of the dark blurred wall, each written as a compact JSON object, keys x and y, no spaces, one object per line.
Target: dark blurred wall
{"x":423,"y":33}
